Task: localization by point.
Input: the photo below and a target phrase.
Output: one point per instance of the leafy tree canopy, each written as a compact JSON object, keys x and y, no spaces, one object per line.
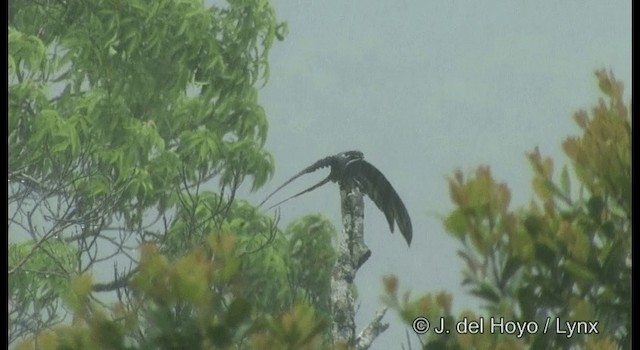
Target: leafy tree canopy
{"x":564,"y":258}
{"x":132,"y":124}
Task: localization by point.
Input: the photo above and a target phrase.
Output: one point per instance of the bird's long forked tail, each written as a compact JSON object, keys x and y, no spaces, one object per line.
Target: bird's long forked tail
{"x":303,"y":192}
{"x":278,"y":189}
{"x":324,"y":162}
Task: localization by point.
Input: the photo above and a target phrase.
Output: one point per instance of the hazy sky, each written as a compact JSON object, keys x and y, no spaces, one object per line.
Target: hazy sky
{"x":424,"y":88}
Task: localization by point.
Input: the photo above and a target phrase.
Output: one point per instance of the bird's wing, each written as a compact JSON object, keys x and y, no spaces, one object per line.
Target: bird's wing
{"x":372,"y":182}
{"x":305,"y":191}
{"x":322,"y":163}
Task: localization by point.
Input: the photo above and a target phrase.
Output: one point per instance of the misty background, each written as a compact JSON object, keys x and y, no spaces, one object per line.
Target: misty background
{"x":424,"y":88}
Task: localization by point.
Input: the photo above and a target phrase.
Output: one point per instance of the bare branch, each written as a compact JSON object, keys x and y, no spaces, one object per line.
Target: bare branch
{"x":351,"y":254}
{"x":371,"y":332}
{"x":117,"y":283}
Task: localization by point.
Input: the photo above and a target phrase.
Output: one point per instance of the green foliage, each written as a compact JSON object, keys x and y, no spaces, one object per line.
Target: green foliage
{"x":298,"y":329}
{"x":566,"y":257}
{"x":290,"y":266}
{"x":37,"y":280}
{"x":136,"y":107}
{"x":120,"y":113}
{"x":53,"y":259}
{"x":191,"y":302}
{"x":437,"y":307}
{"x":310,"y":258}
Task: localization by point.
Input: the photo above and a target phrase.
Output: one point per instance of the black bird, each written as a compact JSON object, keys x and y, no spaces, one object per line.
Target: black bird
{"x":351,"y":165}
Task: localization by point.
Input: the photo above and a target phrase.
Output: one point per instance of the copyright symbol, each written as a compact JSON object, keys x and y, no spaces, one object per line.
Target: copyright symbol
{"x":420,"y":325}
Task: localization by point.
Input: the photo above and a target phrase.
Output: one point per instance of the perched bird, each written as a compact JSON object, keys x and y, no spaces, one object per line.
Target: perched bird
{"x":351,"y":165}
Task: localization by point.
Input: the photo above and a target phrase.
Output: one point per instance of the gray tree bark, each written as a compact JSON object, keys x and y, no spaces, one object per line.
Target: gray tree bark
{"x":352,"y":252}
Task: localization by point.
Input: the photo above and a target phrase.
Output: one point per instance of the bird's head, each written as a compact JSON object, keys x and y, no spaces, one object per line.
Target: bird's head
{"x":341,"y":161}
{"x":350,"y":155}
